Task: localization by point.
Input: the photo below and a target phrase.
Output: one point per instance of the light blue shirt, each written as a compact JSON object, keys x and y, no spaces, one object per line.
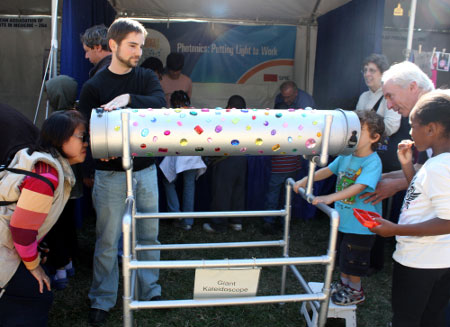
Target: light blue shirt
{"x":356,"y":170}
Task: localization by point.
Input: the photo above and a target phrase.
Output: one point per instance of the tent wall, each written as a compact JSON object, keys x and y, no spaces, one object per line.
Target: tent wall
{"x":345,"y":37}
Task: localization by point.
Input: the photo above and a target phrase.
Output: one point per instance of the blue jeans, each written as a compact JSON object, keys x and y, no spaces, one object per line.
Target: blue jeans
{"x":108,"y":196}
{"x":276,"y":193}
{"x":173,"y":204}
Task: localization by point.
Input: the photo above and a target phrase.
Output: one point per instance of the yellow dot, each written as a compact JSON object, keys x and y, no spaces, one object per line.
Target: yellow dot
{"x":183,"y":142}
{"x":248,"y":127}
{"x":258,"y":141}
{"x":117,"y":128}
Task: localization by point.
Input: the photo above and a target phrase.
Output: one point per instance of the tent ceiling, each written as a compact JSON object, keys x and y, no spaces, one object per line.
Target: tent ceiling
{"x":279,"y":11}
{"x":270,"y":11}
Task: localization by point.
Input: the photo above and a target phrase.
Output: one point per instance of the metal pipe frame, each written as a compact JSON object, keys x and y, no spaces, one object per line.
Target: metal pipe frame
{"x":130,"y":264}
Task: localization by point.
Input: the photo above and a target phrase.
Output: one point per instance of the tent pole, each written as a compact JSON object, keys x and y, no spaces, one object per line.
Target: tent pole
{"x":411,"y":29}
{"x":54,"y":44}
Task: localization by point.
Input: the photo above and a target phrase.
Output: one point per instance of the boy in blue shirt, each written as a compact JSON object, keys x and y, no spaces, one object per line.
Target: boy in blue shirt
{"x":356,"y":173}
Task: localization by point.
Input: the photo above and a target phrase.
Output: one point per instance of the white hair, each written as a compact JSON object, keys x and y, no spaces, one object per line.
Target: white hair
{"x":405,"y":73}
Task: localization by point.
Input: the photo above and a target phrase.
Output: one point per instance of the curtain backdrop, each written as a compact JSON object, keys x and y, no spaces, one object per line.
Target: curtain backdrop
{"x":345,"y":37}
{"x":78,"y":15}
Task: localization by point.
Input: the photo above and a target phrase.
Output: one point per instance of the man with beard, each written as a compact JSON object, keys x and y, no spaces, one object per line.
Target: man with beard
{"x":122,"y":84}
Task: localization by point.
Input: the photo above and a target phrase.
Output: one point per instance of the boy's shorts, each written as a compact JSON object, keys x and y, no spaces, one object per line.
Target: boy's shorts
{"x":353,"y":253}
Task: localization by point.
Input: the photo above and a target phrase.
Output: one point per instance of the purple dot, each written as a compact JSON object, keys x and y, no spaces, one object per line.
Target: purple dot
{"x":273,"y":132}
{"x":218,"y":129}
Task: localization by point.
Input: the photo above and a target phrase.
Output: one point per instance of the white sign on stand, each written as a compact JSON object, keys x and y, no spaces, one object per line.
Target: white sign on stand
{"x":226,"y":282}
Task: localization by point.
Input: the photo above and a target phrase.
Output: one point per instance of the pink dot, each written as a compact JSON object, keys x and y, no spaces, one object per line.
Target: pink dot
{"x":135,"y":123}
{"x":167,"y":132}
{"x":179,"y":123}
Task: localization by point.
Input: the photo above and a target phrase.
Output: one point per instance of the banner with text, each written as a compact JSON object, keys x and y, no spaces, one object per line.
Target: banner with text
{"x":225,"y":53}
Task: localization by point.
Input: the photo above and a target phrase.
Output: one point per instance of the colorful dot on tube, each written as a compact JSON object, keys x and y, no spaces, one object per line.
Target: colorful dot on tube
{"x":285,"y":125}
{"x":149,"y":154}
{"x":193,"y":113}
{"x":218,"y":129}
{"x":294,"y":150}
{"x":266,"y":123}
{"x":217,"y":149}
{"x":244,"y":110}
{"x":278,"y":115}
{"x":153,"y":120}
{"x":243,"y":149}
{"x":300,"y":127}
{"x":155,"y":138}
{"x":258,"y":141}
{"x":315,"y":122}
{"x":117,"y":128}
{"x":310,"y":143}
{"x":266,"y":113}
{"x":143,"y":146}
{"x":142,"y":115}
{"x":135,"y":123}
{"x":282,"y":152}
{"x":182,"y":115}
{"x":273,"y":132}
{"x":260,"y":151}
{"x":209,"y":140}
{"x":135,"y":110}
{"x":290,"y":139}
{"x":134,"y":154}
{"x":235,"y":120}
{"x":183,"y":142}
{"x":199,"y":149}
{"x":177,"y":110}
{"x":234,"y":142}
{"x":179,"y":123}
{"x":319,"y":134}
{"x":167,"y":133}
{"x":248,"y":127}
{"x":276,"y":147}
{"x":144,"y":132}
{"x":223,"y":119}
{"x":291,"y":109}
{"x":205,"y":110}
{"x":253,"y":117}
{"x":198,"y":129}
{"x":163,"y":150}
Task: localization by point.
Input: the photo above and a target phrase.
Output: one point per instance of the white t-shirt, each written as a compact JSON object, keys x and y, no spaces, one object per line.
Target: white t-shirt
{"x":391,"y":119}
{"x":428,"y":197}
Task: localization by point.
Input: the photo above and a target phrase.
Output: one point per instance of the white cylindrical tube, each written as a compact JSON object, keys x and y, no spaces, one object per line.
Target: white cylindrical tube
{"x":222,"y":132}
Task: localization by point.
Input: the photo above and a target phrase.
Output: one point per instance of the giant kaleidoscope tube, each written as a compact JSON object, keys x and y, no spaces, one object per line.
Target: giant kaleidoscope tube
{"x":222,"y":132}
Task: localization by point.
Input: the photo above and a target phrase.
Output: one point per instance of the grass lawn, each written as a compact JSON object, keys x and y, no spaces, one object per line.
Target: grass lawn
{"x":308,"y":238}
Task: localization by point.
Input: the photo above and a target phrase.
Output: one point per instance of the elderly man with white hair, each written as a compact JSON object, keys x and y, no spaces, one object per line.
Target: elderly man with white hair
{"x":403,"y":85}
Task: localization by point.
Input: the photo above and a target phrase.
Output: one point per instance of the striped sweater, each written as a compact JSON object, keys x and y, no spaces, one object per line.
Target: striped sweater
{"x":31,"y":211}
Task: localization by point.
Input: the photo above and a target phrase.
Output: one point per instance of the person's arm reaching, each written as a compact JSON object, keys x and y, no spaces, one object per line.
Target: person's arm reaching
{"x":318,"y":176}
{"x":341,"y":195}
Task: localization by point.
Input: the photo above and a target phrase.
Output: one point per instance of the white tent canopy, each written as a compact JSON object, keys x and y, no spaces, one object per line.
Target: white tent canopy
{"x":263,"y":11}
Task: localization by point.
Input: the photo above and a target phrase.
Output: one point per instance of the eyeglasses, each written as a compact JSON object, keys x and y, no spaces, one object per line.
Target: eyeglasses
{"x":83,"y":137}
{"x":370,"y":70}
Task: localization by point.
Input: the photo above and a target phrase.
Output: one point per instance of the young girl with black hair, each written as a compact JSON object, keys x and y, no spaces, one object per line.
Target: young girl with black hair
{"x":421,"y":275}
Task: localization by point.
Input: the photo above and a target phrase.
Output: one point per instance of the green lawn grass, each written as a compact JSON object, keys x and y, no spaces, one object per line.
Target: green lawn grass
{"x":308,"y":238}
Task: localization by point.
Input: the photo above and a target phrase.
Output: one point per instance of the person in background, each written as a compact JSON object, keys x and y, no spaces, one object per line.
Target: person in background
{"x":421,"y":274}
{"x":95,"y":45}
{"x":154,"y":64}
{"x":373,"y":68}
{"x":356,"y":173}
{"x":283,"y":166}
{"x":291,"y":96}
{"x":228,"y":185}
{"x":62,"y":238}
{"x":191,"y":167}
{"x":403,"y":85}
{"x":122,"y":84}
{"x":173,"y":79}
{"x":37,"y":202}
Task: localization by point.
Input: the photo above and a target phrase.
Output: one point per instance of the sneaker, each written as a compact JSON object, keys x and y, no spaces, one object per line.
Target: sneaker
{"x":182,"y":225}
{"x":58,"y":283}
{"x":208,"y":228}
{"x":348,"y":296}
{"x":336,"y":286}
{"x":97,"y":317}
{"x":236,"y":227}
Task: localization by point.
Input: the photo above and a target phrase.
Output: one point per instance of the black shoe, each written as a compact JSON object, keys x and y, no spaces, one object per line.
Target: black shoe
{"x":156,"y":298}
{"x":97,"y":317}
